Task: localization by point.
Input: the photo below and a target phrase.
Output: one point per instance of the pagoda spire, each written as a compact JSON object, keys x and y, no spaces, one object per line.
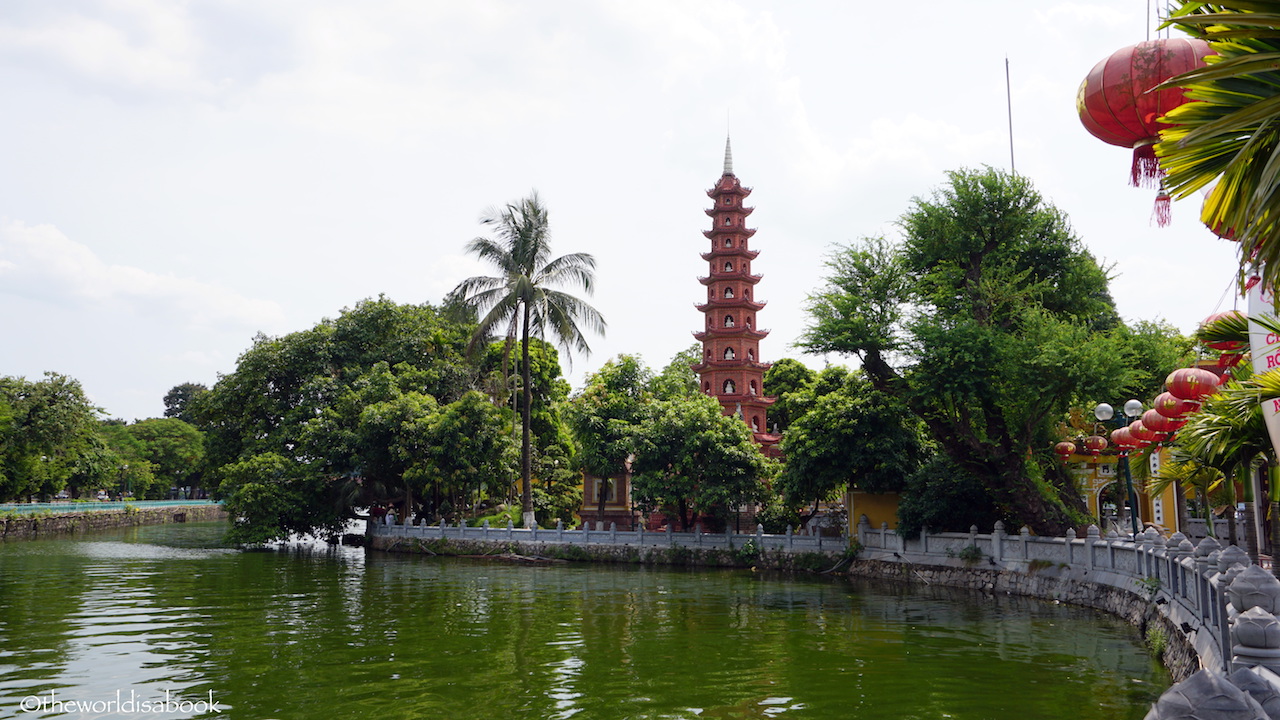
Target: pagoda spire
{"x":728,"y":157}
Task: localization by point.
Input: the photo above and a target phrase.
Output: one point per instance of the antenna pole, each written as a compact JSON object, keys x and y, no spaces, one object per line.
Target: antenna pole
{"x":1009,"y":99}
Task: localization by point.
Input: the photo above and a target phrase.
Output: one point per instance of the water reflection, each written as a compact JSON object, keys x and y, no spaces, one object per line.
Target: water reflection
{"x":328,"y":632}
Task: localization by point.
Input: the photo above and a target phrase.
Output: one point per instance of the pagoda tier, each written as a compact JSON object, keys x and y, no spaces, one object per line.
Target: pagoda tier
{"x":742,"y":276}
{"x":699,"y":367}
{"x":721,"y":303}
{"x":744,"y":211}
{"x":731,"y":252}
{"x":742,"y":332}
{"x":731,"y":231}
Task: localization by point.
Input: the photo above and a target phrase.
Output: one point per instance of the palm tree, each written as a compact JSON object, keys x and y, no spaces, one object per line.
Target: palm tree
{"x":1232,"y":134}
{"x":522,"y":299}
{"x":1184,"y":471}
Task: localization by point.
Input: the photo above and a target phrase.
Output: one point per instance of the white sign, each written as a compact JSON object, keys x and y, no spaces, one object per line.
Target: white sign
{"x":1265,"y":348}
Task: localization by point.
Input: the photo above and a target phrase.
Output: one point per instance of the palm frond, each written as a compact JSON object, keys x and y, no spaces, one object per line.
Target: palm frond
{"x":1227,"y":329}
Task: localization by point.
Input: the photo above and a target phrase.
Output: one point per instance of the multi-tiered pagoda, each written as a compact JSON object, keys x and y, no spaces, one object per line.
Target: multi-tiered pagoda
{"x":731,"y":369}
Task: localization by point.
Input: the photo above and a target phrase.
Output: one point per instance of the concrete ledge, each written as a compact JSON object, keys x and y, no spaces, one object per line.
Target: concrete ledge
{"x":31,"y":528}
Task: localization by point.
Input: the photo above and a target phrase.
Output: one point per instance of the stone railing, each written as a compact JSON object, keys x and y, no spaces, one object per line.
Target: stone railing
{"x":788,"y":542}
{"x":1224,"y":605}
{"x":1181,"y":578}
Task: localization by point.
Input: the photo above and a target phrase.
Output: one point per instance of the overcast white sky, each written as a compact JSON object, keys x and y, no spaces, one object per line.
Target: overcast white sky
{"x":177,"y":176}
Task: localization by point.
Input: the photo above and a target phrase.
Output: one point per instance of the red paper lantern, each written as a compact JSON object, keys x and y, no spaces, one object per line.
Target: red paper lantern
{"x":1173,"y":407}
{"x":1191,"y":383}
{"x":1095,"y":444}
{"x":1117,"y":106}
{"x":1123,"y":439}
{"x":1144,"y":434}
{"x":1153,"y":420}
{"x":1064,"y":449}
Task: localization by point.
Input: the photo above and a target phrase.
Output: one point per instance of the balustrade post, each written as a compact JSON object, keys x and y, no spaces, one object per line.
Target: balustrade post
{"x":1025,"y":536}
{"x":1091,"y":534}
{"x":559,"y":530}
{"x":484,"y":532}
{"x":790,"y":538}
{"x":997,"y":541}
{"x":613,"y":533}
{"x":671,"y":538}
{"x":1070,"y":537}
{"x":759,"y":537}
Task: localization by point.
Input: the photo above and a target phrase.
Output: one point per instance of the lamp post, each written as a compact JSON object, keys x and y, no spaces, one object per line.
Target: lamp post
{"x":1105,"y":414}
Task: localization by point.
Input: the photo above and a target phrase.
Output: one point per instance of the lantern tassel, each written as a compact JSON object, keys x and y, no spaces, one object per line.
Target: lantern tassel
{"x":1145,"y":171}
{"x":1163,"y":212}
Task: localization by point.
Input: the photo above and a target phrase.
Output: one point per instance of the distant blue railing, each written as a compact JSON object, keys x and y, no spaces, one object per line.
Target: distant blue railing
{"x":59,"y":508}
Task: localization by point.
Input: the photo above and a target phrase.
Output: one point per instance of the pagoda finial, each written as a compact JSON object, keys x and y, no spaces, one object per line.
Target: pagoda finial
{"x":728,"y":157}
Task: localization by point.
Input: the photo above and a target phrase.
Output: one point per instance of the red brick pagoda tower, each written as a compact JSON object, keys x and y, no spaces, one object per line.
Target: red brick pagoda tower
{"x":731,"y":369}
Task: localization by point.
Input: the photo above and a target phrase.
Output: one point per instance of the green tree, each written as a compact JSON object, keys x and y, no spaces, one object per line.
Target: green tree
{"x":678,"y":379}
{"x":1152,"y":351}
{"x":523,"y":301}
{"x":606,"y":417}
{"x":177,"y":401}
{"x":173,"y":448}
{"x":1012,"y":323}
{"x":693,"y":460}
{"x":549,"y":390}
{"x":340,"y":410}
{"x":791,"y":382}
{"x":854,"y":437}
{"x":47,"y":426}
{"x":944,"y":497}
{"x":470,"y":451}
{"x":135,"y":475}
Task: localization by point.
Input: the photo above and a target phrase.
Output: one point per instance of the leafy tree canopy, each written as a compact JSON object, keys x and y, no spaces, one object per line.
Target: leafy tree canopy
{"x":375,"y":407}
{"x":988,"y":321}
{"x":692,"y":460}
{"x":852,"y":437}
{"x":177,"y":401}
{"x":791,"y":382}
{"x":47,"y":437}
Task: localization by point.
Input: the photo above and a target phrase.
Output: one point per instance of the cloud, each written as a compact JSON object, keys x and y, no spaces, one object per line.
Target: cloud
{"x":132,"y":45}
{"x":40,"y":263}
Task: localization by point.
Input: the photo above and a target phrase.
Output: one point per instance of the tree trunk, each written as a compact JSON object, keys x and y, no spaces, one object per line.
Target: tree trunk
{"x":602,"y":495}
{"x":526,"y":445}
{"x":1180,"y":505}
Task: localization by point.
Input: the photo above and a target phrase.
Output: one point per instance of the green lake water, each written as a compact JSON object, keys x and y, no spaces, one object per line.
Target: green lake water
{"x":318,"y":632}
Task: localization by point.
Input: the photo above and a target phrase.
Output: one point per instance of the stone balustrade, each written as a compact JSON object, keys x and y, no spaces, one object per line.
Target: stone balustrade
{"x":1225,"y":606}
{"x":787,"y":542}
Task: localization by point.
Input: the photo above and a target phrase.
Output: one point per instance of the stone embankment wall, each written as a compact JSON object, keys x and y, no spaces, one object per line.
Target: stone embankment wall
{"x":1052,"y":584}
{"x":742,"y":556}
{"x":30,"y":528}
